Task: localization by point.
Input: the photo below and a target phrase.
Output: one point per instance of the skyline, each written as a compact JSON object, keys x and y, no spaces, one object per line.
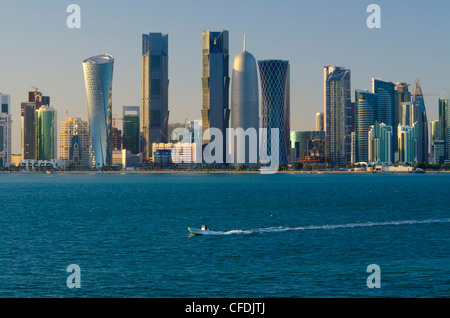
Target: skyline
{"x":55,"y":67}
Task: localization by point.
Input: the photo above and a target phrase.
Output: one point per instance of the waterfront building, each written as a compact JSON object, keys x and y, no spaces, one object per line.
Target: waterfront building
{"x":444,"y":122}
{"x":131,"y":129}
{"x":5,"y":131}
{"x":215,"y":84}
{"x":46,"y":133}
{"x":366,"y":116}
{"x":407,"y":143}
{"x":42,"y":165}
{"x":338,"y":114}
{"x":98,"y":77}
{"x":275,"y":104}
{"x":244,"y":104}
{"x":380,"y":143}
{"x":75,"y":143}
{"x":155,"y":90}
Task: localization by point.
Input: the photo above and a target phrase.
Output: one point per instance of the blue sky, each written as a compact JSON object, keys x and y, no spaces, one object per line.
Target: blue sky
{"x":37,"y":48}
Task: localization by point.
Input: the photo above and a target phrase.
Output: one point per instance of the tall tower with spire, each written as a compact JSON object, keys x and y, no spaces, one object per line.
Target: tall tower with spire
{"x":244,"y":105}
{"x":420,"y":117}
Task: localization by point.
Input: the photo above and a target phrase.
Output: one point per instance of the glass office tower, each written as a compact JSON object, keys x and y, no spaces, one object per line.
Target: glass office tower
{"x":366,"y":116}
{"x":215,"y":84}
{"x":338,"y":114}
{"x":422,"y":122}
{"x":98,"y":77}
{"x":380,"y":143}
{"x":275,"y":104}
{"x":155,"y":90}
{"x":46,"y":139}
{"x":131,"y":129}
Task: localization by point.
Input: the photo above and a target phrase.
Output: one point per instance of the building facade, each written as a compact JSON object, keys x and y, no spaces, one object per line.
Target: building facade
{"x":244,"y":104}
{"x":422,"y":122}
{"x":75,"y":143}
{"x":319,"y":122}
{"x":275,"y":105}
{"x":46,"y":133}
{"x":309,"y":146}
{"x":155,"y":90}
{"x":407,"y":143}
{"x":338,"y":114}
{"x":380,"y":143}
{"x":215,"y":84}
{"x":366,"y":116}
{"x":5,"y":130}
{"x":131,"y":129}
{"x":98,"y":77}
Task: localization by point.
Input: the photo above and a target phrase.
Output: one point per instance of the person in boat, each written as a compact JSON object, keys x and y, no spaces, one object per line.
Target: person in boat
{"x":204,"y":227}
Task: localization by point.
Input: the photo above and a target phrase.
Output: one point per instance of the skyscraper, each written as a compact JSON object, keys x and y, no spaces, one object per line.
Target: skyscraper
{"x":444,"y":122}
{"x":74,"y":143}
{"x":407,"y":141}
{"x":319,"y":122}
{"x":5,"y":130}
{"x":46,"y":138}
{"x":366,"y":116}
{"x":131,"y":129}
{"x":215,"y":83}
{"x":380,"y":143}
{"x":422,"y":122}
{"x":401,"y":95}
{"x":244,"y":102}
{"x":98,"y":77}
{"x":338,"y":114}
{"x":386,"y":100}
{"x":275,"y":104}
{"x":155,"y":90}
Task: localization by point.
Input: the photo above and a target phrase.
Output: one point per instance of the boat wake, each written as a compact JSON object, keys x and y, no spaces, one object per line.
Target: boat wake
{"x":333,"y":227}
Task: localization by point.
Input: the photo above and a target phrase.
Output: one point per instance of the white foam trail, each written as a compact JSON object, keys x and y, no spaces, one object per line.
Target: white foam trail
{"x":332,"y":227}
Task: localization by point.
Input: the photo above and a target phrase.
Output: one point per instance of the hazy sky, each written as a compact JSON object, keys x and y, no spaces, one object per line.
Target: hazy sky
{"x":37,"y":48}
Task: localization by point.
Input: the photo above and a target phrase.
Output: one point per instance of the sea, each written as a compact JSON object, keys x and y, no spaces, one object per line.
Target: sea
{"x":283,"y":235}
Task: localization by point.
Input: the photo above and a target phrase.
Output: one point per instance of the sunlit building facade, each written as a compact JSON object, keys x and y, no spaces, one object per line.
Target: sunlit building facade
{"x":98,"y":76}
{"x":366,"y":115}
{"x":444,"y":122}
{"x":380,"y":143}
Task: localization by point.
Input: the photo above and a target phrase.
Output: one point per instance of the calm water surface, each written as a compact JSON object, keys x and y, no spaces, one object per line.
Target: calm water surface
{"x":285,"y":235}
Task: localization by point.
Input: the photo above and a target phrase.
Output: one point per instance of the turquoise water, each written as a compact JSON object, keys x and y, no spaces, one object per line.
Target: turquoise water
{"x":285,"y":235}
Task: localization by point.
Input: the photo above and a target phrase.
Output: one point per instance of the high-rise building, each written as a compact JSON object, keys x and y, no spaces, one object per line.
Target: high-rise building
{"x":131,"y":129}
{"x":366,"y":116}
{"x":407,"y":141}
{"x":5,"y":130}
{"x":46,"y":133}
{"x":215,"y":84}
{"x":319,"y":122}
{"x":434,"y":124}
{"x":244,"y":104}
{"x":155,"y":90}
{"x":444,"y":122}
{"x":338,"y":114}
{"x":422,"y":122}
{"x":117,"y":138}
{"x":401,"y":95}
{"x":386,"y":100}
{"x":98,"y":77}
{"x":75,"y":143}
{"x":380,"y":143}
{"x":275,"y":104}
